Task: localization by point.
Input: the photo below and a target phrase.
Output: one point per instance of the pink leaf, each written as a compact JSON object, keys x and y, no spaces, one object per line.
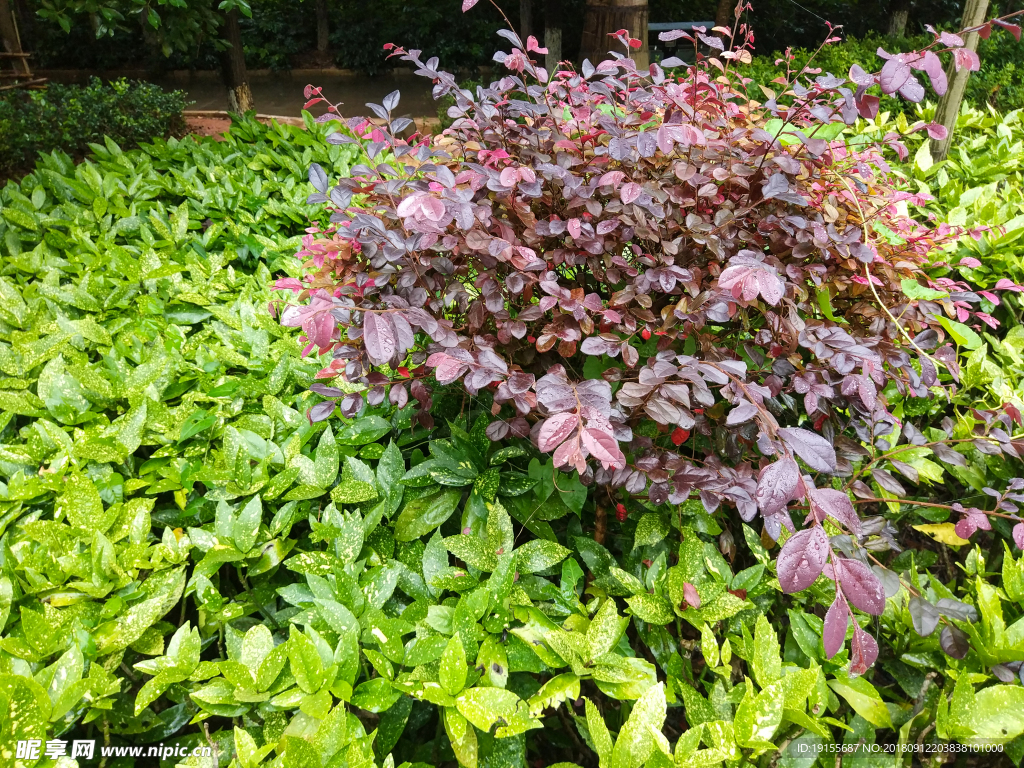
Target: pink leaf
{"x":972,"y":263}
{"x":630,"y":191}
{"x":936,"y":131}
{"x":446,"y":368}
{"x":690,"y":595}
{"x":966,"y":58}
{"x":467,"y":4}
{"x":611,"y":178}
{"x":802,"y":559}
{"x":1013,"y":29}
{"x":574,"y":227}
{"x":1004,"y":284}
{"x":833,"y":633}
{"x":508,"y":177}
{"x":1018,"y":535}
{"x":950,"y":40}
{"x":533,"y":45}
{"x":554,"y":431}
{"x":604,"y":448}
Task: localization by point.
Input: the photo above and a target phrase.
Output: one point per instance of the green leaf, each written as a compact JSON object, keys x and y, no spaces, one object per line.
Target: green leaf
{"x":485,"y":707}
{"x":326,"y":462}
{"x":605,"y":629}
{"x":81,"y":502}
{"x":599,"y":733}
{"x":767,"y":661}
{"x":962,"y":335}
{"x":758,"y":717}
{"x":709,"y":646}
{"x":422,"y":515}
{"x":998,"y":714}
{"x":306,"y":665}
{"x":454,"y":669}
{"x":651,"y":529}
{"x":539,"y":555}
{"x":635,"y":742}
{"x":864,"y":699}
{"x":247,"y":525}
{"x":653,"y":609}
{"x":914,"y":290}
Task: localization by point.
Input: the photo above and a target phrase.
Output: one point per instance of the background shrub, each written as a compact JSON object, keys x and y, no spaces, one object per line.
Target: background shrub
{"x":70,"y":117}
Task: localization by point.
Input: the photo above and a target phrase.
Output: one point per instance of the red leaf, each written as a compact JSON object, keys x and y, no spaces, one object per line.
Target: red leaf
{"x":802,"y":559}
{"x":863,"y":651}
{"x":1013,"y":29}
{"x":680,"y":436}
{"x":833,"y":633}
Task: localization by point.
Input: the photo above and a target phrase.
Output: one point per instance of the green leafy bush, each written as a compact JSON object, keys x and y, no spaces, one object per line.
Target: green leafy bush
{"x":69,"y":117}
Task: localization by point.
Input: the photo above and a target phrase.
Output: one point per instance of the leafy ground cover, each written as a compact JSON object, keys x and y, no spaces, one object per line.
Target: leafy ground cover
{"x":190,"y":559}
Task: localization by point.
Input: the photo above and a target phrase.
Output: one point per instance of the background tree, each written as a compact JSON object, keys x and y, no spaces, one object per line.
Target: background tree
{"x":957,"y":74}
{"x":323,"y":30}
{"x":605,"y":17}
{"x":553,"y":33}
{"x":172,"y":26}
{"x":899,"y":12}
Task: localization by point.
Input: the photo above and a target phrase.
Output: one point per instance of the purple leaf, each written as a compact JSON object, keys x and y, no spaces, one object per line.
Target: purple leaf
{"x":323,"y":389}
{"x":776,"y":486}
{"x":888,"y":482}
{"x":815,"y":450}
{"x":894,"y":74}
{"x":912,"y":90}
{"x":936,"y":131}
{"x":379,"y":337}
{"x":321,"y":411}
{"x":861,"y":586}
{"x":954,"y":642}
{"x":860,"y":77}
{"x":833,"y":633}
{"x":318,"y":177}
{"x":923,"y":615}
{"x":802,"y":559}
{"x":863,"y":651}
{"x":836,"y":505}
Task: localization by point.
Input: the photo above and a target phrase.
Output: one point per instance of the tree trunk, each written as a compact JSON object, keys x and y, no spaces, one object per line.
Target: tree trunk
{"x":725,"y":16}
{"x":949,"y":103}
{"x":10,"y":40}
{"x":525,"y":19}
{"x":322,"y":30}
{"x":604,"y":17}
{"x":25,"y":19}
{"x":553,"y":34}
{"x":232,"y":63}
{"x":899,"y":12}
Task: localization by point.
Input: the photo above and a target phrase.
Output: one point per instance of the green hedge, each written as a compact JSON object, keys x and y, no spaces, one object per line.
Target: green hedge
{"x":70,"y":117}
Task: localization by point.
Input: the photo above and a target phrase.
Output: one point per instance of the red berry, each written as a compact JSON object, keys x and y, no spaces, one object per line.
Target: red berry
{"x":646,"y":334}
{"x":680,"y":435}
{"x":621,"y":513}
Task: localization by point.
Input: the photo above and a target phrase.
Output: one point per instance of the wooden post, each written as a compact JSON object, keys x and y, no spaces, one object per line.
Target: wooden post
{"x":233,"y":66}
{"x":553,"y":34}
{"x":10,"y":40}
{"x":604,"y":17}
{"x":949,"y":103}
